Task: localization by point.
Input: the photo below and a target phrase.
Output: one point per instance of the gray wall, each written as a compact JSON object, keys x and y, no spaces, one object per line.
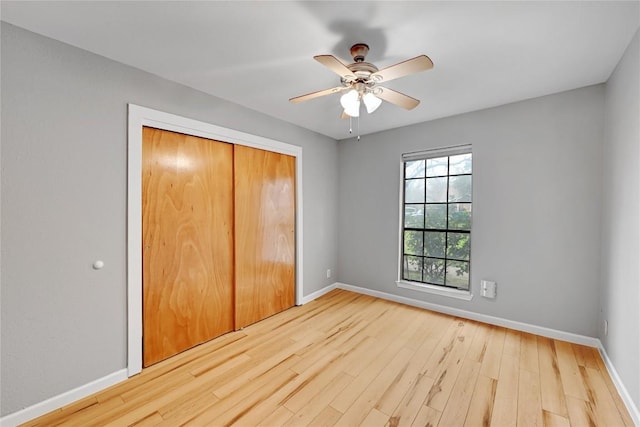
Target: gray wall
{"x":621,"y":216}
{"x":64,"y":118}
{"x":536,"y":214}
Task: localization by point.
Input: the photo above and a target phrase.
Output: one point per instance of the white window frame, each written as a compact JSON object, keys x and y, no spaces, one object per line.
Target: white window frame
{"x":416,"y":286}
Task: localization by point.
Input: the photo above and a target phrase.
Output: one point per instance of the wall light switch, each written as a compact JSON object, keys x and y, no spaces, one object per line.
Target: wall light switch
{"x":488,"y":289}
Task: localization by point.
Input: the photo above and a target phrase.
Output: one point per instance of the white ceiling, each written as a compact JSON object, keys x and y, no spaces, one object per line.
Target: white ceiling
{"x":259,"y":54}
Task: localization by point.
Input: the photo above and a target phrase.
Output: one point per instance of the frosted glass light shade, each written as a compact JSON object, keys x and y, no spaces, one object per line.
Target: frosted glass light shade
{"x":350,"y":101}
{"x":371,"y":101}
{"x":353,"y":110}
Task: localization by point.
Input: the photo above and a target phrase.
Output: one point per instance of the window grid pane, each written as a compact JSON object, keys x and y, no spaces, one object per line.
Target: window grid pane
{"x":437,"y":236}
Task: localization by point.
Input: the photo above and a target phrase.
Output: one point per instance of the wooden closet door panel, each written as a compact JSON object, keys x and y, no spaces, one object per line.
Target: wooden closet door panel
{"x":265,"y":233}
{"x":187,"y":216}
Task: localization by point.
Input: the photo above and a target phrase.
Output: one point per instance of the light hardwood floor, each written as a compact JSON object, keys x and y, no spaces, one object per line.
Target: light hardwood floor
{"x":347,"y":359}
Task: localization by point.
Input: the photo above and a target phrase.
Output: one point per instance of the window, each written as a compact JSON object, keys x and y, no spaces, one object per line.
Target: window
{"x":436,"y":226}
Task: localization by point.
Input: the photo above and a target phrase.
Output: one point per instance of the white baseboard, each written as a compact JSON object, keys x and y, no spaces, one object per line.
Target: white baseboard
{"x":498,"y":321}
{"x":622,"y":390}
{"x":56,"y":402}
{"x":519,"y":326}
{"x":318,"y":294}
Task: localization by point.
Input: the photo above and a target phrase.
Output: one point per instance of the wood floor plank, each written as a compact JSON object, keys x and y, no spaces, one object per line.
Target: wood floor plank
{"x":255,"y":413}
{"x":572,"y":381}
{"x":277,"y":418}
{"x":309,"y":360}
{"x":134,"y":414}
{"x":478,"y":347}
{"x":367,"y":399}
{"x":443,"y":349}
{"x":155,"y":388}
{"x":348,"y":327}
{"x":374,"y":418}
{"x":315,"y":378}
{"x":549,"y":419}
{"x":354,"y":366}
{"x":182,"y":362}
{"x":234,"y":363}
{"x":455,"y":412}
{"x":481,"y":407}
{"x":605,"y":408}
{"x":309,"y":411}
{"x":149,"y":421}
{"x":491,"y":364}
{"x":427,"y":416}
{"x":529,"y":405}
{"x":512,"y":342}
{"x":400,"y":324}
{"x":97,"y":414}
{"x":82,"y":414}
{"x":185,"y":407}
{"x":310,"y":389}
{"x":448,"y":370}
{"x":326,"y":418}
{"x":581,"y":413}
{"x":505,"y":406}
{"x":58,"y":415}
{"x":285,"y":355}
{"x":406,"y":378}
{"x":528,"y":352}
{"x":346,"y":397}
{"x":231,"y":408}
{"x":361,"y":351}
{"x":381,"y":318}
{"x":432,"y":325}
{"x":493,"y":355}
{"x":553,"y":399}
{"x":412,"y":402}
{"x":585,"y":356}
{"x":347,"y":359}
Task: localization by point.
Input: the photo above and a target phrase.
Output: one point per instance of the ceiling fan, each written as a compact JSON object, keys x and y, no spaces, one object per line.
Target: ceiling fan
{"x":360,"y":81}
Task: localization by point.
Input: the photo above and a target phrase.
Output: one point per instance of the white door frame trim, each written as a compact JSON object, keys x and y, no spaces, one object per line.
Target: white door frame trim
{"x":142,"y":116}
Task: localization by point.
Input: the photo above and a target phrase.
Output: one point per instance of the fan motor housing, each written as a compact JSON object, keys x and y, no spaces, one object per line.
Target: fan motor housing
{"x":359,"y":51}
{"x":361,"y":69}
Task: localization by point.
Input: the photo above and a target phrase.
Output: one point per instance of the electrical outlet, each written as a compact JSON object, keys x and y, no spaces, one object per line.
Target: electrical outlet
{"x":606,"y":327}
{"x":488,"y":289}
{"x":328,"y":273}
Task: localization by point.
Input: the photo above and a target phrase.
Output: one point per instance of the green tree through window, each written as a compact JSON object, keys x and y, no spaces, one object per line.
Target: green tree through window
{"x":436,"y":238}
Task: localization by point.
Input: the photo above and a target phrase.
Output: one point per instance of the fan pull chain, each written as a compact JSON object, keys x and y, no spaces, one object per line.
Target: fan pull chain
{"x":351,"y":126}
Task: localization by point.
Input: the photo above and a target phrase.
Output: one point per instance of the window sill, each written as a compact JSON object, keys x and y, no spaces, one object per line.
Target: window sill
{"x":437,"y":290}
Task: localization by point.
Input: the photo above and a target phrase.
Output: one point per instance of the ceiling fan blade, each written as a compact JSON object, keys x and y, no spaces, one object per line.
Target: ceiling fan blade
{"x":316,"y":94}
{"x":344,"y":115}
{"x":397,"y":98}
{"x":335,"y":65}
{"x":401,"y":69}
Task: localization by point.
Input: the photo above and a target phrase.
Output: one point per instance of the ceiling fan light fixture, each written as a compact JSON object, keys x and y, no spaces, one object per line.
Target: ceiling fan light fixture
{"x":371,"y":101}
{"x":350,"y":101}
{"x":360,"y":82}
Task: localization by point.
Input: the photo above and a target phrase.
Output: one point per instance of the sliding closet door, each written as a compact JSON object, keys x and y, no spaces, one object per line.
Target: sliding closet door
{"x":265,"y":233}
{"x":187,"y":215}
